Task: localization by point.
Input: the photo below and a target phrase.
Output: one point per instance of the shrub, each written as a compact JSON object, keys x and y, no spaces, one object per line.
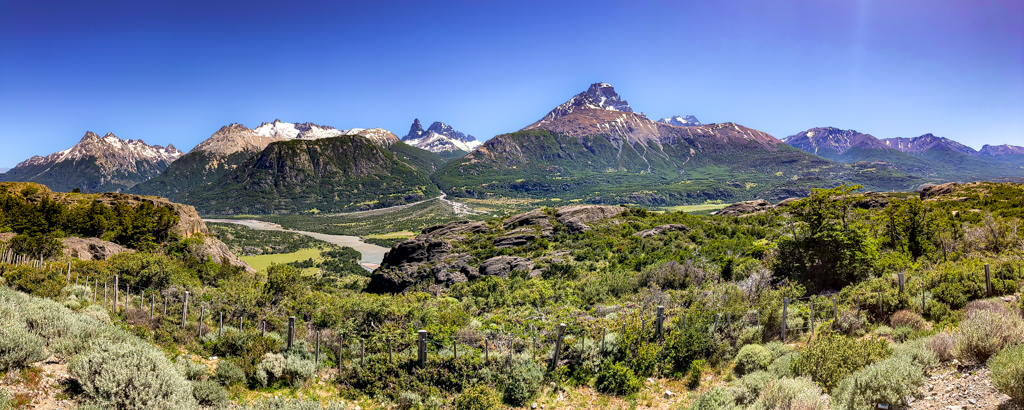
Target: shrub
{"x":189,"y":369}
{"x":522,"y":381}
{"x":747,"y":388}
{"x":695,"y":373}
{"x":778,"y":349}
{"x":409,"y":400}
{"x":131,"y":376}
{"x":229,"y":374}
{"x":783,"y":366}
{"x":1007,"y":369}
{"x":890,"y":381}
{"x":942,"y":345}
{"x":831,"y":357}
{"x":617,"y":378}
{"x":209,"y":393}
{"x":690,"y":343}
{"x":752,"y":358}
{"x":270,"y":368}
{"x":479,"y":397}
{"x":297,"y":369}
{"x":715,"y":399}
{"x":917,"y":352}
{"x":983,"y":332}
{"x":750,"y":335}
{"x":791,"y":394}
{"x":906,"y":318}
{"x":5,"y":399}
{"x":902,"y":333}
{"x":19,"y":347}
{"x":883,"y":331}
{"x":849,"y":323}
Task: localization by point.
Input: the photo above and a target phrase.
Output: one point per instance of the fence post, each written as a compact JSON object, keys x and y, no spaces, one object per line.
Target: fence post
{"x":455,"y":347}
{"x":68,"y":280}
{"x":881,"y":314}
{"x":785,"y":308}
{"x":422,"y":347}
{"x":152,"y":303}
{"x":263,"y":327}
{"x":142,"y":300}
{"x":184,"y":311}
{"x":858,"y":305}
{"x":661,"y":321}
{"x":362,"y":351}
{"x":988,"y":281}
{"x":115,"y":294}
{"x":922,"y":299}
{"x":127,"y":295}
{"x":202,"y":314}
{"x":104,"y":295}
{"x":812,"y":316}
{"x":316,"y":362}
{"x":487,"y":351}
{"x":165,"y":305}
{"x":291,"y":331}
{"x":220,"y":325}
{"x":558,"y":346}
{"x":900,"y":276}
{"x":835,"y":310}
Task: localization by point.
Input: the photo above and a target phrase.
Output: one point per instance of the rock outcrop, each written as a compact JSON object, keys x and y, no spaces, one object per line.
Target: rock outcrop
{"x":745,"y":207}
{"x":936,"y":190}
{"x":88,"y":249}
{"x":660,"y":229}
{"x":430,"y":260}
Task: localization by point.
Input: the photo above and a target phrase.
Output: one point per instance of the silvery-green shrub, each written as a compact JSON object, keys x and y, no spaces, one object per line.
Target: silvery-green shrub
{"x":890,"y":381}
{"x":298,"y":369}
{"x":791,"y":393}
{"x":131,"y":376}
{"x":19,"y":347}
{"x":270,"y":368}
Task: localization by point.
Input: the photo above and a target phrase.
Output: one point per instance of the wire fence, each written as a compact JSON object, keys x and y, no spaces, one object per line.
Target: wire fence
{"x":585,"y":337}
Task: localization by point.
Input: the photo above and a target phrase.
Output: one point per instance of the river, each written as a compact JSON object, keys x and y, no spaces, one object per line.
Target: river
{"x":372,"y":254}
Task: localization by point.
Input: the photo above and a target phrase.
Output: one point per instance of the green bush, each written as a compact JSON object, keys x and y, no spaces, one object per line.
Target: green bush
{"x":695,"y":374}
{"x":478,"y":397}
{"x":131,"y":376}
{"x":229,"y":374}
{"x":298,"y":369}
{"x":283,"y":403}
{"x":522,"y":381}
{"x":983,"y":332}
{"x":19,"y":347}
{"x":942,"y":345}
{"x":617,"y":378}
{"x":746,"y":390}
{"x":1007,"y":369}
{"x":783,"y":366}
{"x":890,"y":381}
{"x":850,"y":323}
{"x":791,"y":394}
{"x":189,"y":369}
{"x":715,"y":399}
{"x":831,"y":357}
{"x":750,"y":335}
{"x":778,"y":349}
{"x":210,"y":394}
{"x":5,"y":399}
{"x":752,"y":358}
{"x":409,"y":400}
{"x":917,"y":352}
{"x":690,"y":343}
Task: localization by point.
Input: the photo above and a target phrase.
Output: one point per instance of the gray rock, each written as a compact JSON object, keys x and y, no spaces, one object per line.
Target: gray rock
{"x":532,"y":218}
{"x":454,"y":228}
{"x":576,"y":217}
{"x":513,"y":241}
{"x":746,"y":207}
{"x":502,"y":266}
{"x":660,"y":229}
{"x":88,"y":249}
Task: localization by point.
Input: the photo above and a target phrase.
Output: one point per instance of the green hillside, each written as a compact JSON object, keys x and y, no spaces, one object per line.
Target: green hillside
{"x":193,"y":171}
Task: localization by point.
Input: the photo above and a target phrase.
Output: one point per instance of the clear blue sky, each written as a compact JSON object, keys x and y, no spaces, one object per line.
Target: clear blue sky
{"x":175,"y":71}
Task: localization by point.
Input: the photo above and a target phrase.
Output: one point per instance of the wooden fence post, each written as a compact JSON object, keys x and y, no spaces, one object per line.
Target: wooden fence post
{"x":165,"y":305}
{"x":202,"y":314}
{"x":220,"y":325}
{"x":988,"y":281}
{"x":317,"y":361}
{"x":487,"y":351}
{"x":184,"y":311}
{"x":835,"y":309}
{"x":291,"y":331}
{"x":812,"y":316}
{"x":68,"y":280}
{"x":900,"y":276}
{"x":152,"y":304}
{"x":362,"y":351}
{"x":881,"y":314}
{"x":558,"y":346}
{"x":263,"y":328}
{"x":422,"y":348}
{"x":785,"y":308}
{"x":115,"y":294}
{"x":455,"y":347}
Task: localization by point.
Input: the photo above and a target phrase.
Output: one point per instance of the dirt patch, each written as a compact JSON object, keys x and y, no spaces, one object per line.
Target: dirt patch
{"x":962,"y":388}
{"x":43,"y":385}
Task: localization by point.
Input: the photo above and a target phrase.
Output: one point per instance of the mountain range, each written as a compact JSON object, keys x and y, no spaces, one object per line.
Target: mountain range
{"x":594,"y":148}
{"x":106,"y":163}
{"x":927,"y":155}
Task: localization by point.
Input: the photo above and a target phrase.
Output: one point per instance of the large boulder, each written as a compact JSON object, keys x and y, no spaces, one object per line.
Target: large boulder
{"x":745,"y":207}
{"x":455,"y":228}
{"x":660,"y":229}
{"x":88,"y":249}
{"x":502,"y":266}
{"x":576,"y":217}
{"x":416,"y":250}
{"x":936,"y":190}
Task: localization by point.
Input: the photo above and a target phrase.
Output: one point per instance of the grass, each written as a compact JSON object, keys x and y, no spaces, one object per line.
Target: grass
{"x":694,"y":208}
{"x":262,"y":262}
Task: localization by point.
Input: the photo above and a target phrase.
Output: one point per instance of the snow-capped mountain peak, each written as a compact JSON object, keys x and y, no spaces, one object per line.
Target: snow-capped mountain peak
{"x":439,"y":137}
{"x":680,"y":121}
{"x":287,"y":130}
{"x":600,"y":96}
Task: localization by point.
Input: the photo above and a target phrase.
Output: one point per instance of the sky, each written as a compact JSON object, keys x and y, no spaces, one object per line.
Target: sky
{"x":175,"y":71}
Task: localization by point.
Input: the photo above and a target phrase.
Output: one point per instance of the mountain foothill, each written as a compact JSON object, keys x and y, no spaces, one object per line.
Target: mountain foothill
{"x":594,"y":148}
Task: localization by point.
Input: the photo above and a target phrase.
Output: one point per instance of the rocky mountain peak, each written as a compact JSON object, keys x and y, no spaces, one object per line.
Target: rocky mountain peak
{"x":415,"y":131}
{"x":927,"y":142}
{"x":1001,"y":150}
{"x":439,"y":137}
{"x":600,"y":96}
{"x":680,"y":121}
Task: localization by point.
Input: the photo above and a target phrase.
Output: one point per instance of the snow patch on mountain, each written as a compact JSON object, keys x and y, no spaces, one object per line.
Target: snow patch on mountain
{"x":680,"y":121}
{"x":287,"y":130}
{"x":600,"y":96}
{"x":439,"y":137}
